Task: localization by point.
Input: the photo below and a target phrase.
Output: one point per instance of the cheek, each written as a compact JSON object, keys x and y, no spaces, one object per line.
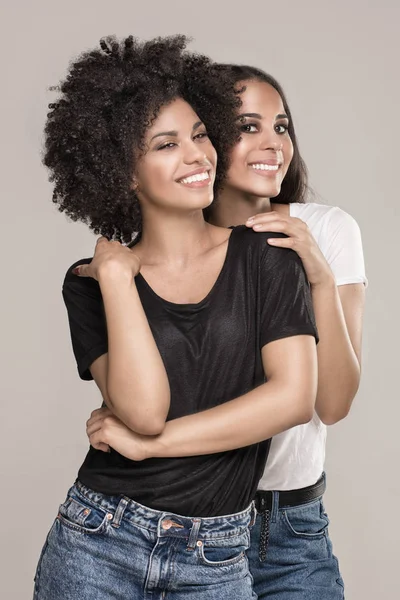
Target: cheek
{"x":288,"y":151}
{"x":214,"y":159}
{"x":154,"y":174}
{"x":238,"y":160}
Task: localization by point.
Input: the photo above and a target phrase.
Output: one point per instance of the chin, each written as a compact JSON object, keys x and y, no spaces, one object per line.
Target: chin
{"x":260,"y":187}
{"x":275,"y":192}
{"x":269,"y":191}
{"x":208,"y":201}
{"x":205,"y":204}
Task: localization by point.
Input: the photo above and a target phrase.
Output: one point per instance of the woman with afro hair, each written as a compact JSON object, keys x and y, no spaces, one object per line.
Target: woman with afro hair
{"x":192,"y":321}
{"x":290,"y":555}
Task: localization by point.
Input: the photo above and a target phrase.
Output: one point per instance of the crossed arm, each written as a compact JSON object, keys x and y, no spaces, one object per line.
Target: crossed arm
{"x":281,"y":403}
{"x":286,"y":400}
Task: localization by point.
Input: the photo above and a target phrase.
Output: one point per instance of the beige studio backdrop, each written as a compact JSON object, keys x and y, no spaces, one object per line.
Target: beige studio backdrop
{"x":338,"y":62}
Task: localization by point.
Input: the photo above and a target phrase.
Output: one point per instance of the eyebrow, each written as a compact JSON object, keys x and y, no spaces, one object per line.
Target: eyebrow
{"x":175,"y":133}
{"x":257,"y":116}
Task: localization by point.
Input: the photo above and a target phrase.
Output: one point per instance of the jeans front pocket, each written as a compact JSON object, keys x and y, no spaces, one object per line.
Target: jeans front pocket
{"x":223,"y":552}
{"x":307,"y":521}
{"x":82,"y":516}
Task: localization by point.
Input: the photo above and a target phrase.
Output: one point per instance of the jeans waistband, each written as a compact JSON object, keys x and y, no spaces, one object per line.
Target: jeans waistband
{"x":264,"y":499}
{"x":269,"y":502}
{"x":168,"y":523}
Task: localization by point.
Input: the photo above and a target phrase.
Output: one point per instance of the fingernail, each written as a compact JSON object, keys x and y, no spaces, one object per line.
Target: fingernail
{"x":250,"y":220}
{"x":75,"y":271}
{"x":257,"y":226}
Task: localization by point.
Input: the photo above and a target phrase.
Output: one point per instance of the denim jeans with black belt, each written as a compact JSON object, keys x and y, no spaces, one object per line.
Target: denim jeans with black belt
{"x":102,"y":548}
{"x":291,"y":556}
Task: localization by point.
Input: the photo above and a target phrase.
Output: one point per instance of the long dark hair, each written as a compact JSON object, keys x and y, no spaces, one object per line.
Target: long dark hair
{"x":295,"y":184}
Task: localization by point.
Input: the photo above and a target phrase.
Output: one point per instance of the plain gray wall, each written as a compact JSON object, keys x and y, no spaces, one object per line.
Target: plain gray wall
{"x":338,"y":62}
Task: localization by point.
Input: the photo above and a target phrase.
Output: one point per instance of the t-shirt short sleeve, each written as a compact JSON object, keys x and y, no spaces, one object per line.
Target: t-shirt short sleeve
{"x":344,"y":251}
{"x":87,"y":321}
{"x":285,"y":303}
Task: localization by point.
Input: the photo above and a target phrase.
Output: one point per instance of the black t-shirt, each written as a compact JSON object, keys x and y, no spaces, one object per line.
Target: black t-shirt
{"x":212,"y":354}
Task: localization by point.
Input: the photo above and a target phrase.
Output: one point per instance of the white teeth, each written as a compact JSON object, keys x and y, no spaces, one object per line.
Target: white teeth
{"x":264,"y":167}
{"x":198,"y":177}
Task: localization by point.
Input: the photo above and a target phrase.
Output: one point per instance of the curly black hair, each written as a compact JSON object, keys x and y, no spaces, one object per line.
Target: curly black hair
{"x":295,"y":186}
{"x":96,"y":128}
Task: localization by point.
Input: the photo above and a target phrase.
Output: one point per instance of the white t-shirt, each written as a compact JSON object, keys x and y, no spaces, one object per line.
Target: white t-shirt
{"x":296,"y":458}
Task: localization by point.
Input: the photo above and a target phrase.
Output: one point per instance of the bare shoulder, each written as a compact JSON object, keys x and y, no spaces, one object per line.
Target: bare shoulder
{"x":219,"y":235}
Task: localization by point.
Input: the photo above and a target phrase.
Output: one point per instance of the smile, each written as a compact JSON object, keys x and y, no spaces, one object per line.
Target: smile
{"x":193,"y":178}
{"x":264,"y":167}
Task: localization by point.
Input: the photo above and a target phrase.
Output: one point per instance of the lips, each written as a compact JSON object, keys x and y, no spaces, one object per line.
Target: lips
{"x":264,"y":167}
{"x":198,"y":178}
{"x":268,"y":167}
{"x":198,"y":174}
{"x":275,"y":162}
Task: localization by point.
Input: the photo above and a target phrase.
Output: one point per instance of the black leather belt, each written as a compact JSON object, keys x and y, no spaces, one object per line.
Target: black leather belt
{"x":263,"y":500}
{"x":263,"y":504}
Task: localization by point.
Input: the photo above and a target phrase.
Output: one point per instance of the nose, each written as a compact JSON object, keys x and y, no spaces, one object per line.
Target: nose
{"x":193,"y":153}
{"x":271,"y":141}
{"x":277,"y":146}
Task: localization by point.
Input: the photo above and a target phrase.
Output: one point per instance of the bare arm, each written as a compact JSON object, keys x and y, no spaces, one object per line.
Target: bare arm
{"x":286,"y":400}
{"x":137,"y":384}
{"x":131,"y":376}
{"x":339,"y":316}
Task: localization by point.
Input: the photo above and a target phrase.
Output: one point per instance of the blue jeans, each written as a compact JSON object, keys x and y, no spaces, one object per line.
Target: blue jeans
{"x":299,"y":561}
{"x":103,"y":547}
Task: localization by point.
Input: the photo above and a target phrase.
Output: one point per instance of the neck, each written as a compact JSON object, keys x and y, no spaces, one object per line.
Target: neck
{"x":234,"y":207}
{"x":173,"y":238}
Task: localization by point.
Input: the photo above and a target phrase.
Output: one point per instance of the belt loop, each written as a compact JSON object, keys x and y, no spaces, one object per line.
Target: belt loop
{"x":253,"y":514}
{"x":193,"y":534}
{"x":119,"y":513}
{"x":275,"y":506}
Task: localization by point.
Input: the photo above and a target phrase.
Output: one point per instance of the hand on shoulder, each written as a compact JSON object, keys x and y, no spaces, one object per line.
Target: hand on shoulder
{"x":299,"y":238}
{"x":110,"y":259}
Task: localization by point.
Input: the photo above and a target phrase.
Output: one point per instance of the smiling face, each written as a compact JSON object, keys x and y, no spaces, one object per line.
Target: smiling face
{"x":260,"y":160}
{"x":177,"y":169}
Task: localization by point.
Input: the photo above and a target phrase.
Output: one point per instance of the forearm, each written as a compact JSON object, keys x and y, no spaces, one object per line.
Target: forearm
{"x":258,"y":415}
{"x":137,"y":383}
{"x":338,"y":365}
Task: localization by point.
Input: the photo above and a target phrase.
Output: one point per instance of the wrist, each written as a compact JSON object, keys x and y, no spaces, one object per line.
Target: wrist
{"x":114,"y":272}
{"x":155,"y":447}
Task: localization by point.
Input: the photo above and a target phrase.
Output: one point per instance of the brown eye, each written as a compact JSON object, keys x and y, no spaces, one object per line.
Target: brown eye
{"x":281,"y":129}
{"x":201,"y":136}
{"x":167,"y":145}
{"x":248,"y":128}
